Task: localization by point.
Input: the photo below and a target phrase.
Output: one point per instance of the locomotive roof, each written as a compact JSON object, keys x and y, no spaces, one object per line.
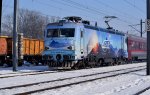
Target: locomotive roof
{"x":104,"y":30}
{"x":88,"y":26}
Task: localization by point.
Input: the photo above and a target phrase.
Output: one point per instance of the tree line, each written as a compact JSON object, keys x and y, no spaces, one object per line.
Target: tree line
{"x":30,"y":23}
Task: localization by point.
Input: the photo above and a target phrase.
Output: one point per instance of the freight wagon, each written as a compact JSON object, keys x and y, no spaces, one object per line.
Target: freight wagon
{"x":28,"y":49}
{"x":32,"y":49}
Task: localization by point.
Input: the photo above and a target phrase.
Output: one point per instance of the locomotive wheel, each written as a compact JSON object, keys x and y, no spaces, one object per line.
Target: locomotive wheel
{"x":100,"y":62}
{"x":76,"y":67}
{"x":112,"y":63}
{"x":49,"y":64}
{"x":82,"y":64}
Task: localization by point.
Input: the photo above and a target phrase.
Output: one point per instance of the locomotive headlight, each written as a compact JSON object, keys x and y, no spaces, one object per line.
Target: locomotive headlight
{"x":71,"y":47}
{"x":46,"y":48}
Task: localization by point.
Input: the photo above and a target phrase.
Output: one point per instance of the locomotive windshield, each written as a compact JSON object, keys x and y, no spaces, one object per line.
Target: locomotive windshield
{"x":63,"y":32}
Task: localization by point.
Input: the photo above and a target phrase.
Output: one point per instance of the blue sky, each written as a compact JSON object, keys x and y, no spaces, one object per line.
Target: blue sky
{"x":128,"y":12}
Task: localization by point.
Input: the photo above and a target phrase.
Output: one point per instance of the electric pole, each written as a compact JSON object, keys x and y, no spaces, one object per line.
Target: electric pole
{"x":15,"y":37}
{"x":1,"y":16}
{"x":148,"y":37}
{"x":141,"y":26}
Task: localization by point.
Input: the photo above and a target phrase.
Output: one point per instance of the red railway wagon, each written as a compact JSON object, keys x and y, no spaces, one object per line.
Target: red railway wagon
{"x":137,"y":48}
{"x":31,"y":50}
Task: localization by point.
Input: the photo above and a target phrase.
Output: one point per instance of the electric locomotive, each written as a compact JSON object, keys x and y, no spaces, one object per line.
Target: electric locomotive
{"x":74,"y":43}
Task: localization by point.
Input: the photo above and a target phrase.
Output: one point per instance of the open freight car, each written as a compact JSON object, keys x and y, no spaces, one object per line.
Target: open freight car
{"x":32,"y":50}
{"x":28,"y":49}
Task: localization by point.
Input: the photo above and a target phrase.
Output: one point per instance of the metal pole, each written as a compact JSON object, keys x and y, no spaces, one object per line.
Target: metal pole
{"x":1,"y":18}
{"x":15,"y":37}
{"x":141,"y":27}
{"x":148,"y":39}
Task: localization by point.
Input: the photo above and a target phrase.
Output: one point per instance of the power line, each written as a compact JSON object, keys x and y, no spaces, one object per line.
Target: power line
{"x":77,"y":7}
{"x":83,"y":6}
{"x":97,"y":11}
{"x":134,"y":6}
{"x":116,"y":10}
{"x":49,"y":5}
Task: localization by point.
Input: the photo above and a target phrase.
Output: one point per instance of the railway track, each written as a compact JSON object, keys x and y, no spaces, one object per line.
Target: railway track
{"x":63,"y":82}
{"x":142,"y":91}
{"x":8,"y":75}
{"x":27,"y":73}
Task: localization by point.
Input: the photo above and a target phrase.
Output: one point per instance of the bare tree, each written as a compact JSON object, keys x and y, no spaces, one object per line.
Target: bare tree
{"x":30,"y":23}
{"x":7,"y":25}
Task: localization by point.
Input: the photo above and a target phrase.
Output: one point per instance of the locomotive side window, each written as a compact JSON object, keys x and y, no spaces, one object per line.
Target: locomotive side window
{"x":65,"y":32}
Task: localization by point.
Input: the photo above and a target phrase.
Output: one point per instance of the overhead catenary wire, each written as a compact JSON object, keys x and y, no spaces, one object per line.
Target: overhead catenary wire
{"x":93,"y":10}
{"x":137,"y":8}
{"x":49,"y":5}
{"x":88,"y":11}
{"x":121,"y":13}
{"x":87,"y":8}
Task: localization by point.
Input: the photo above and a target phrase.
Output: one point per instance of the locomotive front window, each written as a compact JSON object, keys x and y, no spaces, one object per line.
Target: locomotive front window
{"x":52,"y":33}
{"x":63,"y":32}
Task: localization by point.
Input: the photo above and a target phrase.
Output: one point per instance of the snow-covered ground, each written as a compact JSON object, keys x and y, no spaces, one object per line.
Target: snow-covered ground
{"x":27,"y":67}
{"x":126,"y":84}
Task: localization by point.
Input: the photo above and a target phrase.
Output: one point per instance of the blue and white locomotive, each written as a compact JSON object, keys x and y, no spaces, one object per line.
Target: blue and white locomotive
{"x":74,"y":43}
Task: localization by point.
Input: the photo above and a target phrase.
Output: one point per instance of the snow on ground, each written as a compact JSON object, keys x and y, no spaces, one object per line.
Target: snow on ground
{"x":146,"y":92}
{"x":29,"y":68}
{"x":126,"y":84}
